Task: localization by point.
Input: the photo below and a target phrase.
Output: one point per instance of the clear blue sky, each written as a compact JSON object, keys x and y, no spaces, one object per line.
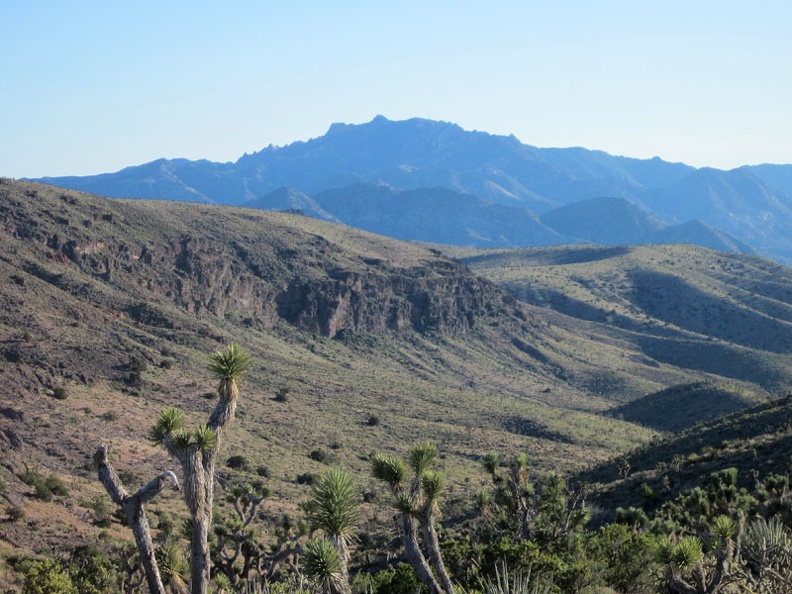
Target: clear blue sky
{"x":94,"y":86}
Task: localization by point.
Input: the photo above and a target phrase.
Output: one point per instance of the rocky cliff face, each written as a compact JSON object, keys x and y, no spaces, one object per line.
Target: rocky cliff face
{"x":443,"y":298}
{"x":255,"y":276}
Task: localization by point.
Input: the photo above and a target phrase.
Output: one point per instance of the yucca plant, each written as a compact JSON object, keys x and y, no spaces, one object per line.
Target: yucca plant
{"x":689,"y":570}
{"x":181,"y":441}
{"x":519,"y":582}
{"x":687,"y":552}
{"x":431,"y":485}
{"x":389,"y":469}
{"x":767,"y":550}
{"x":173,"y":567}
{"x":170,"y":421}
{"x":205,"y":438}
{"x":333,"y":509}
{"x":323,"y":564}
{"x":663,"y":549}
{"x":723,"y":528}
{"x":492,"y":462}
{"x":513,"y":491}
{"x":421,"y":457}
{"x":229,"y":366}
{"x":405,"y":503}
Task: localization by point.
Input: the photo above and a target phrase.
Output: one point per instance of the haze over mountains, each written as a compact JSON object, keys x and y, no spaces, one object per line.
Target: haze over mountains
{"x":433,"y":181}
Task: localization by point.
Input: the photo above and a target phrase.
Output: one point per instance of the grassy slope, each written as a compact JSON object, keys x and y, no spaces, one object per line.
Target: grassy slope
{"x":726,"y":315}
{"x":167,"y":283}
{"x":756,"y":441}
{"x":132,"y":291}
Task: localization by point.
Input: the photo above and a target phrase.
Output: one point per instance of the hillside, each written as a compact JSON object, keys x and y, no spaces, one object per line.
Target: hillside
{"x":755,"y":441}
{"x":701,"y":309}
{"x":112,"y":307}
{"x":494,"y":180}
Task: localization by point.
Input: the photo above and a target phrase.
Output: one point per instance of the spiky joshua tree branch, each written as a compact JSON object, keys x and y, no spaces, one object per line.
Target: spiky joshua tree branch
{"x":196,"y":452}
{"x":417,"y":503}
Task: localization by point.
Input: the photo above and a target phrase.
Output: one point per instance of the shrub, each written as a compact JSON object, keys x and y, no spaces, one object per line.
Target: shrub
{"x":394,"y":580}
{"x":263,"y":471}
{"x":373,"y":421}
{"x":11,"y":355}
{"x":134,"y":379}
{"x":102,"y":515}
{"x":59,"y":393}
{"x":318,"y":455}
{"x":15,"y":513}
{"x":128,"y":477}
{"x":44,"y":488}
{"x":282,"y":395}
{"x":92,"y":571}
{"x":137,"y":364}
{"x":56,"y":485}
{"x":47,"y":577}
{"x":238,"y":462}
{"x":306,"y":478}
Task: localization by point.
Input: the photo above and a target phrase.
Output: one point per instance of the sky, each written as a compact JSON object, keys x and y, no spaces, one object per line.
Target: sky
{"x":95,"y":86}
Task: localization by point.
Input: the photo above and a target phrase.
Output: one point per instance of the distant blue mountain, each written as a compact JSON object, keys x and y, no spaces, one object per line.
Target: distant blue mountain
{"x":496,"y":183}
{"x":437,"y":215}
{"x":615,"y":221}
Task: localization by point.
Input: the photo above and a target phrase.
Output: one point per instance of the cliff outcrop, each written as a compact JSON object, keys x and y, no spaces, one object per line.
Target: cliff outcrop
{"x":303,"y":279}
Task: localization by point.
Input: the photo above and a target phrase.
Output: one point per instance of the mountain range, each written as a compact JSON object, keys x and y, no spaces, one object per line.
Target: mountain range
{"x":433,"y":181}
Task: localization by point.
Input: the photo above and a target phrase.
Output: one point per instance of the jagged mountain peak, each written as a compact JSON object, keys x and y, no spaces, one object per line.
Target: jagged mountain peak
{"x":747,"y":203}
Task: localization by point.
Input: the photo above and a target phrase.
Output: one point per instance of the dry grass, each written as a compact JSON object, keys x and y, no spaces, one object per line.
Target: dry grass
{"x":126,"y":325}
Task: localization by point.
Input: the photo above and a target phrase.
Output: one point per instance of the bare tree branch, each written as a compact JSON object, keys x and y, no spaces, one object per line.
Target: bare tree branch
{"x":136,"y":514}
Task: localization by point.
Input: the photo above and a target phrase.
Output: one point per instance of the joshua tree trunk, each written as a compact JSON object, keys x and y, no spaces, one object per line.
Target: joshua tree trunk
{"x":204,"y":467}
{"x":199,"y":554}
{"x":136,"y":514}
{"x":415,"y":557}
{"x":343,"y":550}
{"x":198,"y":464}
{"x":427,"y":521}
{"x":416,"y":505}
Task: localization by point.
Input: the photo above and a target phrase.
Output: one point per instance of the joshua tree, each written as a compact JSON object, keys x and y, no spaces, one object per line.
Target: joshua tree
{"x":514,"y":492}
{"x":236,"y":539}
{"x":196,"y":451}
{"x":135,"y":512}
{"x":418,"y":507}
{"x":333,"y":509}
{"x":688,"y":570}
